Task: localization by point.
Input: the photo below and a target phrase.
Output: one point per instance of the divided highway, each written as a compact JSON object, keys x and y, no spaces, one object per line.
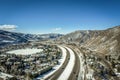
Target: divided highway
{"x":56,"y":74}
{"x":69,"y":70}
{"x":75,"y":72}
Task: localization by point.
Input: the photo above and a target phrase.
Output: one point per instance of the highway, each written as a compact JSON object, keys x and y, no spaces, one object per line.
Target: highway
{"x":76,"y":69}
{"x":69,"y":69}
{"x":55,"y":75}
{"x":74,"y":66}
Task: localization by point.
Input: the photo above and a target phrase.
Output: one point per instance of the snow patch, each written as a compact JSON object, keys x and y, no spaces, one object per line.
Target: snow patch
{"x":27,"y":51}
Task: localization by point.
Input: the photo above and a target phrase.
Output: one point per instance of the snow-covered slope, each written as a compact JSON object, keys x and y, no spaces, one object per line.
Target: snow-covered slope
{"x":13,"y":37}
{"x":104,"y":41}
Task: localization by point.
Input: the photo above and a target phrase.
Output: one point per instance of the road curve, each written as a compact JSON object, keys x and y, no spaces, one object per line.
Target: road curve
{"x":56,"y":74}
{"x":75,"y":73}
{"x":69,"y":68}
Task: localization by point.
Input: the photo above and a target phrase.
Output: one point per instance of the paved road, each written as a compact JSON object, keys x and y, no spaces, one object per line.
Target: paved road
{"x":60,"y":70}
{"x":76,"y":69}
{"x":69,"y":68}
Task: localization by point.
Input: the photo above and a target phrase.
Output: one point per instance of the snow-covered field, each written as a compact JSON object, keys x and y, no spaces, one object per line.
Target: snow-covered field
{"x":66,"y":73}
{"x":27,"y":51}
{"x":43,"y":77}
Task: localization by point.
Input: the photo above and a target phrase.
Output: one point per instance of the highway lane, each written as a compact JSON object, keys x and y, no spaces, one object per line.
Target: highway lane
{"x":80,"y":61}
{"x":69,"y":68}
{"x":61,"y":69}
{"x":55,"y":75}
{"x":76,"y":69}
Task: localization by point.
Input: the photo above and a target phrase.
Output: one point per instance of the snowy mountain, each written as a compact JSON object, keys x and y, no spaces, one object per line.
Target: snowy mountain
{"x":13,"y":37}
{"x":10,"y":37}
{"x":104,"y":41}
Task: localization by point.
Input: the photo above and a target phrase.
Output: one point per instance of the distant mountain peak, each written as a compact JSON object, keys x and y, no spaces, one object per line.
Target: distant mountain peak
{"x":7,"y":37}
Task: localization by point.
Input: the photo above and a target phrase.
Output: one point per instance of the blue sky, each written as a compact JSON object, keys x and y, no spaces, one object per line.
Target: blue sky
{"x":58,"y":16}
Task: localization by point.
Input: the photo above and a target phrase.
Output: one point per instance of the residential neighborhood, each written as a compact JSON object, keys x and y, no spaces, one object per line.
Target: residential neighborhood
{"x":23,"y":66}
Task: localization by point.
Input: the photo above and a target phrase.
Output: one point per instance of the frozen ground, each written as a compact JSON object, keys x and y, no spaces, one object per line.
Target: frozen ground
{"x":66,"y":73}
{"x":83,"y":68}
{"x":43,"y":77}
{"x":27,"y":51}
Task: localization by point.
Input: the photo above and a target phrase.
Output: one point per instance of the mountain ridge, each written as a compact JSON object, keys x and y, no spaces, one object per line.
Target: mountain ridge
{"x":7,"y":37}
{"x":104,"y":41}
